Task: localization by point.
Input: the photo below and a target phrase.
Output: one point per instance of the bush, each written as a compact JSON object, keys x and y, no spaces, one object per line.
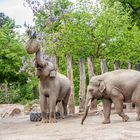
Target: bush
{"x":19,"y":93}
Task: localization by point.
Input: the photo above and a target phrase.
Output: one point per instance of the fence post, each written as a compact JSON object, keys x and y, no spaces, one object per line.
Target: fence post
{"x":70,"y":76}
{"x":129,"y":65}
{"x":138,"y":67}
{"x":104,"y":66}
{"x":91,"y":72}
{"x":129,"y":106}
{"x":82,"y":90}
{"x":91,"y":67}
{"x":116,"y":65}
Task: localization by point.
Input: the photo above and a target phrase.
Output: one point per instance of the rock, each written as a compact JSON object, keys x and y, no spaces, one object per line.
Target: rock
{"x":9,"y":110}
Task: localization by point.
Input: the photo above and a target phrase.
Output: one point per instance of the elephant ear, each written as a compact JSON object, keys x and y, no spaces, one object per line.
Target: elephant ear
{"x":102,"y":86}
{"x":53,"y":73}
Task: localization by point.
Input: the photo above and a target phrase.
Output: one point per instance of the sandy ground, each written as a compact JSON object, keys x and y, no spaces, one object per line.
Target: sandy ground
{"x":20,"y":128}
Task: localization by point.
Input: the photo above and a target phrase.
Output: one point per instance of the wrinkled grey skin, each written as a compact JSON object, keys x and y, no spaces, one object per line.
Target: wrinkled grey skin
{"x":115,"y":87}
{"x":53,"y":86}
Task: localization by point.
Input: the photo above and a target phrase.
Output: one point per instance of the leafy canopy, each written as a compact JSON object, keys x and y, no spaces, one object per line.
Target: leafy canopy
{"x":11,"y":51}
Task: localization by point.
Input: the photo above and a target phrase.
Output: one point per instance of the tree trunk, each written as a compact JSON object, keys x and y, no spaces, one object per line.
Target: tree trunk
{"x":91,"y":72}
{"x":104,"y":66}
{"x":82,"y":90}
{"x":70,"y":76}
{"x":129,"y":66}
{"x":116,"y":65}
{"x":129,"y":105}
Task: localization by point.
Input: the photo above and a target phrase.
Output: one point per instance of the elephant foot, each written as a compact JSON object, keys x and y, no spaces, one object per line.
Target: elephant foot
{"x":45,"y":120}
{"x":125,"y":118}
{"x":106,"y":122}
{"x":138,"y":119}
{"x":52,"y":120}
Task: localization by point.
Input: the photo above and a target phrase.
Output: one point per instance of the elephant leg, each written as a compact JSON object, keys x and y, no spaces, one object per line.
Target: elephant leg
{"x":136,"y":101}
{"x":52,"y":116}
{"x":65,"y":103}
{"x":119,"y":109}
{"x":43,"y":106}
{"x":106,"y":110}
{"x":138,"y":111}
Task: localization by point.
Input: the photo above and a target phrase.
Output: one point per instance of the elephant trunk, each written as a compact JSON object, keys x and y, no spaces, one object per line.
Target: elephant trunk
{"x":86,"y":111}
{"x":39,"y":61}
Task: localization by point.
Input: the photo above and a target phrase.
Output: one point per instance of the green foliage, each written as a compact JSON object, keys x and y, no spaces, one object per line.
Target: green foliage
{"x":11,"y":51}
{"x":134,"y":7}
{"x":14,"y":85}
{"x":19,"y":93}
{"x":88,"y":29}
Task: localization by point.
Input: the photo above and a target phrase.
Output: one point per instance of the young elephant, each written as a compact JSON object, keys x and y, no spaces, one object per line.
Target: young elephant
{"x":118,"y":87}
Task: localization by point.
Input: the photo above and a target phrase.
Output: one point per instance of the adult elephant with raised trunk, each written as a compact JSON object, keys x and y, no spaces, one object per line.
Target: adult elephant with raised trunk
{"x":115,"y":87}
{"x":53,"y":86}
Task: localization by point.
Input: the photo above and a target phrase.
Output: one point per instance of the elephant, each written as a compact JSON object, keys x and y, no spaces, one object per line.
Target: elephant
{"x":116,"y":87}
{"x":53,"y":86}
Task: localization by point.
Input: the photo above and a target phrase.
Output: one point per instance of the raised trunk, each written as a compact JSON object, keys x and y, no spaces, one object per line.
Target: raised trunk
{"x":39,"y":60}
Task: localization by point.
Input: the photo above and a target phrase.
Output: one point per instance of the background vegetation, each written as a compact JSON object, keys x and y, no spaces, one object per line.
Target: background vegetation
{"x":102,"y":29}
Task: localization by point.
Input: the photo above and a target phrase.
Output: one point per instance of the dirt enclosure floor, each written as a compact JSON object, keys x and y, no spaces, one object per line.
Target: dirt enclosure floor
{"x":20,"y":128}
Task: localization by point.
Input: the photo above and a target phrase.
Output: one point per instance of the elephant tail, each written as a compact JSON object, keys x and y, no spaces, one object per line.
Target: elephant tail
{"x":86,"y":112}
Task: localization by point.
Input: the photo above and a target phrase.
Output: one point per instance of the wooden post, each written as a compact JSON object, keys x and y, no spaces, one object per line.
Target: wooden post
{"x":91,"y":72}
{"x":129,"y":106}
{"x":82,"y":90}
{"x":104,"y":66}
{"x":138,"y":67}
{"x":129,"y":65}
{"x":91,"y":68}
{"x":70,"y":76}
{"x":116,"y":65}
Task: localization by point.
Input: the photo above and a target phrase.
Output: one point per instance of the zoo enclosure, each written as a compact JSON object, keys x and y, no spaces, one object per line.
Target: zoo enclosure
{"x":82,"y":85}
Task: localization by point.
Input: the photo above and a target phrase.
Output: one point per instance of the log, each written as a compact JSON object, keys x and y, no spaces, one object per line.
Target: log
{"x":116,"y":65}
{"x":138,"y":67}
{"x":91,"y":67}
{"x":104,"y":66}
{"x":71,"y":104}
{"x":129,"y":65}
{"x":82,"y":90}
{"x":91,"y":72}
{"x":129,"y":105}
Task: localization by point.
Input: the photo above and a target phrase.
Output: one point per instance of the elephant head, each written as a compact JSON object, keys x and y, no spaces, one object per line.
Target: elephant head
{"x":48,"y":70}
{"x":95,"y":90}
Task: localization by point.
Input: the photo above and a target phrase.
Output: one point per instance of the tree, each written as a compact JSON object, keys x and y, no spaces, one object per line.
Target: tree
{"x":11,"y":51}
{"x":134,"y":7}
